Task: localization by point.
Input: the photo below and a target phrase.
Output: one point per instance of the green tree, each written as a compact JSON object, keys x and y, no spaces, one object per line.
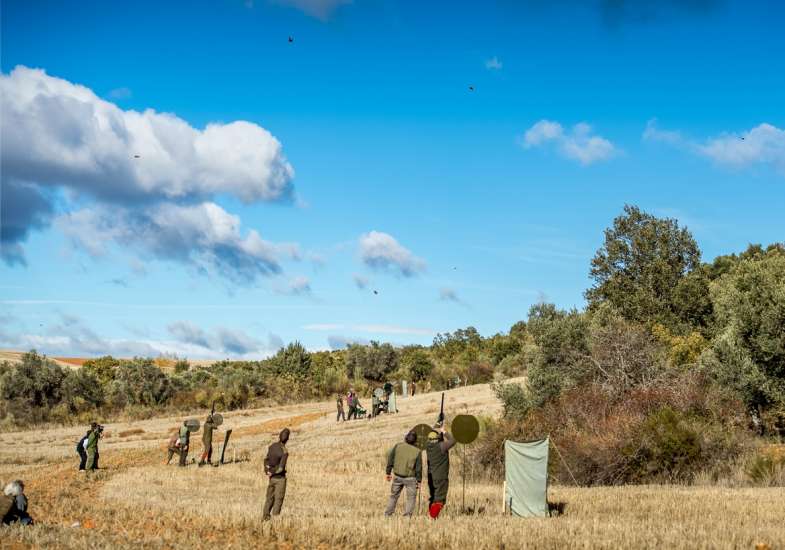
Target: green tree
{"x":372,"y":362}
{"x":293,"y":360}
{"x":103,"y":368}
{"x":749,"y":351}
{"x":417,"y":361}
{"x":642,"y":270}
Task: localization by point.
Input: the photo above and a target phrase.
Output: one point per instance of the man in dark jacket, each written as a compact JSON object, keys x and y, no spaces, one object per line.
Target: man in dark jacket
{"x":404,"y":469}
{"x":275,"y":470}
{"x":207,"y":441}
{"x":438,"y":451}
{"x":339,"y":403}
{"x":80,"y":448}
{"x":351,"y":402}
{"x":92,"y":447}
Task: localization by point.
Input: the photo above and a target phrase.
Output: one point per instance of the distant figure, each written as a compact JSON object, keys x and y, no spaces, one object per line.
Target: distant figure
{"x":351,"y":401}
{"x":184,"y":440}
{"x":438,"y":451}
{"x":80,"y":449}
{"x":173,"y":446}
{"x":404,"y":469}
{"x":207,"y":441}
{"x":339,"y":404}
{"x":13,"y":504}
{"x":275,"y":469}
{"x":375,"y":405}
{"x":92,"y":446}
{"x":414,"y":388}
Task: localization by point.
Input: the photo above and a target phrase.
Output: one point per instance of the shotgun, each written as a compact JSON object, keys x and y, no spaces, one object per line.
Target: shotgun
{"x":440,"y":421}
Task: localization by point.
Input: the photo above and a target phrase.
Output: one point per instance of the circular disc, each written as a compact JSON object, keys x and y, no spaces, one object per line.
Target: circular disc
{"x":218,"y":419}
{"x":465,"y":428}
{"x":192,"y":424}
{"x":422,"y":431}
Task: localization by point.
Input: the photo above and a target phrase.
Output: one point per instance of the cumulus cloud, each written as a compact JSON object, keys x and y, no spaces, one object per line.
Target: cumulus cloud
{"x":763,"y":144}
{"x":320,"y":9}
{"x":203,"y":236}
{"x":58,"y":135}
{"x":493,"y":64}
{"x":299,"y":286}
{"x":579,"y":144}
{"x":189,"y":333}
{"x":448,"y":295}
{"x":382,"y":252}
{"x":222,"y":340}
{"x":360,"y":281}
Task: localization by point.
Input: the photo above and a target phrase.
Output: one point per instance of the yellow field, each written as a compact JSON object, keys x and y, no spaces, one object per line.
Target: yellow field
{"x":336,"y":493}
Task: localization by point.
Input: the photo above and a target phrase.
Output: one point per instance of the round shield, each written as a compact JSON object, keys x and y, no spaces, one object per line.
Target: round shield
{"x":192,"y":424}
{"x":218,"y":419}
{"x":465,"y":428}
{"x":422,"y":431}
{"x":378,"y":392}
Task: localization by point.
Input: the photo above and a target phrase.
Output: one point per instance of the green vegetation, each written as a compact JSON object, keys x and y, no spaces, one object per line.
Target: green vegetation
{"x":676,"y":367}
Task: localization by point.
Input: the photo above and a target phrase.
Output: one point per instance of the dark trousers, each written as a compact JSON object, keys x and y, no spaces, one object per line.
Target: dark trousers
{"x":207,"y":454}
{"x":352,"y":413}
{"x":437,"y":490}
{"x":276,"y":491}
{"x":183,"y":455}
{"x":340,"y":416}
{"x":82,"y":458}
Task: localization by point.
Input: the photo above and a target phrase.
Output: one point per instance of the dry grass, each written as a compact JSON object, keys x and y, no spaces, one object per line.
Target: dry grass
{"x":337,"y":491}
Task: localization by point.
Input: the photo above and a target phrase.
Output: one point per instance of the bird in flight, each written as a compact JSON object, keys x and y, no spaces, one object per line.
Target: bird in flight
{"x":376,"y":292}
{"x":291,"y":39}
{"x":471,"y":88}
{"x":137,"y":156}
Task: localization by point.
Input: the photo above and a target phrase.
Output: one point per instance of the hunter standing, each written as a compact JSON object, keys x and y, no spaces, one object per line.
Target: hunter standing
{"x":339,"y":404}
{"x":92,"y":447}
{"x":184,"y":440}
{"x":404,"y":469}
{"x":275,"y":469}
{"x":438,"y":450}
{"x":207,"y":441}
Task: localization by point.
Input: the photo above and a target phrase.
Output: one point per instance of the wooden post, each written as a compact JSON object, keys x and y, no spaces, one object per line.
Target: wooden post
{"x":504,"y":497}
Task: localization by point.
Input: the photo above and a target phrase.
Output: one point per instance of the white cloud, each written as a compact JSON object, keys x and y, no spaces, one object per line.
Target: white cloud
{"x":382,"y":252}
{"x":448,"y":295}
{"x":299,"y":285}
{"x":203,"y":236}
{"x":762,"y":144}
{"x":58,"y":135}
{"x":493,"y":64}
{"x":319,"y":327}
{"x":392,"y":329}
{"x":320,"y":9}
{"x":579,"y":144}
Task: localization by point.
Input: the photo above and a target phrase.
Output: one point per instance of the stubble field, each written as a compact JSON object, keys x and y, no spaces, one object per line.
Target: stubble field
{"x":336,"y":493}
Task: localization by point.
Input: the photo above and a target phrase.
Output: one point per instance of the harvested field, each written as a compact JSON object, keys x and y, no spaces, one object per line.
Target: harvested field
{"x":337,"y":492}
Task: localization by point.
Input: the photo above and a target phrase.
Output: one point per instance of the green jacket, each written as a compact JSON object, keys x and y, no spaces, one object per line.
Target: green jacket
{"x":439,"y":457}
{"x":207,"y":435}
{"x":185,"y":436}
{"x":92,"y":441}
{"x":405,"y":460}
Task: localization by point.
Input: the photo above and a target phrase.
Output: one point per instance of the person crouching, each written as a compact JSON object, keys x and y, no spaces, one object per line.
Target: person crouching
{"x":14,"y":504}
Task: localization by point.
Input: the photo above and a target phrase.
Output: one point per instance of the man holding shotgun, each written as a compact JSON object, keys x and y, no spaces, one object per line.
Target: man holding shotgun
{"x":438,"y":451}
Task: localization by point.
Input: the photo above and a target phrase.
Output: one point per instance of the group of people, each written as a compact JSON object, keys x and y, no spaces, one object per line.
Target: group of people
{"x":382,"y":400}
{"x":180,"y":442}
{"x":87,"y":448}
{"x":404,"y":470}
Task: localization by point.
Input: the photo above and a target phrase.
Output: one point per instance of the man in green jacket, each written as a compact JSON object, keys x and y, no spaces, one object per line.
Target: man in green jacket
{"x":207,"y":441}
{"x":275,"y":470}
{"x":185,"y":439}
{"x":92,"y":447}
{"x":404,"y":469}
{"x":438,"y":451}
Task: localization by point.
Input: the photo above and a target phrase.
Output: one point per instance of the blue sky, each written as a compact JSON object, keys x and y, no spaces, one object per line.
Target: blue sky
{"x":366,"y":158}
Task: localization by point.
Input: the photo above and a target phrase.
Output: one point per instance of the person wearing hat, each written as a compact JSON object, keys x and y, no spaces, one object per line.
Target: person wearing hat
{"x":275,"y":469}
{"x":184,"y":440}
{"x":438,"y":451}
{"x":404,"y":469}
{"x":207,"y":441}
{"x":92,"y":446}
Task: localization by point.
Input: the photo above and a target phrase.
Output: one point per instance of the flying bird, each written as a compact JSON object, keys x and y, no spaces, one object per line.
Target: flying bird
{"x":137,"y":156}
{"x":742,"y":138}
{"x":471,"y":88}
{"x":291,"y":39}
{"x":376,"y":292}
